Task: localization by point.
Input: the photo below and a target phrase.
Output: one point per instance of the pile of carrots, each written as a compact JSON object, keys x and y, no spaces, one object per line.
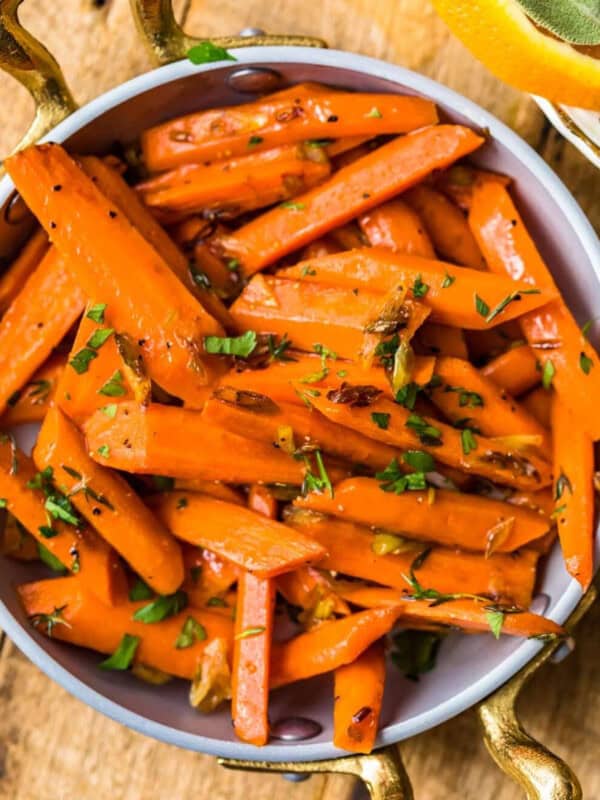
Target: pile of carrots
{"x":310,"y":361}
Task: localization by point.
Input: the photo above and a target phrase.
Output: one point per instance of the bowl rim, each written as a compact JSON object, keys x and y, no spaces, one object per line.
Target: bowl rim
{"x":582,"y":228}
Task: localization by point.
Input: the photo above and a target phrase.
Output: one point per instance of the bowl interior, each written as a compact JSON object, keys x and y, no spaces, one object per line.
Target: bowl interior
{"x":468,"y":668}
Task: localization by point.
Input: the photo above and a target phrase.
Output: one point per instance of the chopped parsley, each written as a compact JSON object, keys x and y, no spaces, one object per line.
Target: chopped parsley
{"x":49,"y":559}
{"x":3,"y":502}
{"x":586,"y":363}
{"x":114,"y":386}
{"x":393,"y":480}
{"x":307,"y":270}
{"x":140,"y":591}
{"x":374,"y":113}
{"x":123,"y":656}
{"x":466,"y":397}
{"x":481,"y":306}
{"x":495,"y":619}
{"x":192,"y":631}
{"x":240,"y":346}
{"x":104,"y":451}
{"x":163,"y":607}
{"x":419,"y":460}
{"x":407,"y":395}
{"x":99,"y":337}
{"x":254,"y":140}
{"x":428,"y":434}
{"x":419,"y":289}
{"x":381,"y":420}
{"x":562,"y":483}
{"x":81,"y":360}
{"x":233,"y":264}
{"x":448,"y":281}
{"x":321,"y":481}
{"x":110,"y":410}
{"x":468,"y":441}
{"x":548,"y":372}
{"x":206,"y":52}
{"x":96,"y":313}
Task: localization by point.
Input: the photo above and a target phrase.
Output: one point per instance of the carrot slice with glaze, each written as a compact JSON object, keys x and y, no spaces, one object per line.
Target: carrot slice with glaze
{"x":166,"y":440}
{"x":107,"y":501}
{"x":574,"y":491}
{"x":115,"y":264}
{"x":79,"y":549}
{"x":85,"y":621}
{"x":516,"y":370}
{"x":493,"y":526}
{"x":507,"y":578}
{"x":252,"y":658}
{"x":351,"y":191}
{"x":396,"y":227}
{"x":552,"y":331}
{"x":358,"y":696}
{"x":301,"y":112}
{"x":329,"y":646}
{"x":259,"y":545}
{"x":13,"y":278}
{"x":448,"y":290}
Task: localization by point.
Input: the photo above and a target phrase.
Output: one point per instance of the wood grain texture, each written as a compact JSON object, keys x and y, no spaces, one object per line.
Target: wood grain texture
{"x":54,"y":748}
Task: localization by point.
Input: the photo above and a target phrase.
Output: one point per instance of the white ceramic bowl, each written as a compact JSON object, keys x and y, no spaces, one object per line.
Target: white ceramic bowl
{"x":469,"y":668}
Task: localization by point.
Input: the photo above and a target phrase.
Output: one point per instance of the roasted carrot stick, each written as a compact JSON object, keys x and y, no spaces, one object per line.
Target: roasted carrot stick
{"x":107,"y":501}
{"x":464,"y":392}
{"x":13,"y":278}
{"x":31,"y":403}
{"x":37,"y":320}
{"x":82,"y":386}
{"x":81,"y":619}
{"x":257,"y":544}
{"x":347,"y":237}
{"x":308,"y":427}
{"x":166,"y":440}
{"x":446,"y":226}
{"x":320,"y":247}
{"x":396,"y":227}
{"x":493,"y":526}
{"x":299,"y":113}
{"x":565,"y":354}
{"x":442,"y":340}
{"x":114,"y":263}
{"x":458,"y":182}
{"x":115,"y":188}
{"x":234,"y":187}
{"x":252,"y":658}
{"x":77,"y":547}
{"x":194,"y":236}
{"x":349,"y":548}
{"x":308,"y":313}
{"x":262,"y":501}
{"x":574,"y":491}
{"x":538,"y":402}
{"x":358,"y":695}
{"x":329,"y":646}
{"x":466,"y":451}
{"x":468,"y":615}
{"x":448,"y":290}
{"x":351,"y":191}
{"x":208,"y":577}
{"x":214,"y":488}
{"x":516,"y":370}
{"x":311,"y":590}
{"x":278,"y":379}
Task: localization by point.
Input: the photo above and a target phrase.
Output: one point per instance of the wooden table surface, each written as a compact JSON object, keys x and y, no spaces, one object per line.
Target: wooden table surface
{"x":54,"y":748}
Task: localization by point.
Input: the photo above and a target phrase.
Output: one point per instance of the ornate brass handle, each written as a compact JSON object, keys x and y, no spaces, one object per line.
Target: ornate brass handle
{"x":168,"y":42}
{"x":31,"y":64}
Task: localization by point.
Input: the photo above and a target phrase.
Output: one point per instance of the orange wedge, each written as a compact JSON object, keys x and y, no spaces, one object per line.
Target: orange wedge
{"x":501,"y":35}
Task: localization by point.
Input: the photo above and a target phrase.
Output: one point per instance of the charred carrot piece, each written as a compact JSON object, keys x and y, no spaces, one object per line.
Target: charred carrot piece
{"x":358,"y":696}
{"x":396,"y":227}
{"x":458,"y":183}
{"x":295,"y":426}
{"x":77,"y":547}
{"x":115,"y":188}
{"x":257,"y":544}
{"x":279,"y":378}
{"x":494,"y":526}
{"x":466,"y":451}
{"x":294,"y":115}
{"x":442,"y":340}
{"x":538,"y":402}
{"x":252,"y":658}
{"x":448,"y":290}
{"x":329,"y":646}
{"x":234,"y":187}
{"x":516,"y":370}
{"x":470,"y":616}
{"x":446,"y":226}
{"x":311,"y":590}
{"x":84,"y":383}
{"x":350,"y":192}
{"x":107,"y":501}
{"x":466,"y":392}
{"x":114,"y":263}
{"x":37,"y":320}
{"x":574,"y":491}
{"x":65,"y":609}
{"x":31,"y":403}
{"x":262,"y":501}
{"x":13,"y":278}
{"x":308,"y":313}
{"x":506,"y":578}
{"x":194,"y":236}
{"x":571,"y":362}
{"x":146,"y":441}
